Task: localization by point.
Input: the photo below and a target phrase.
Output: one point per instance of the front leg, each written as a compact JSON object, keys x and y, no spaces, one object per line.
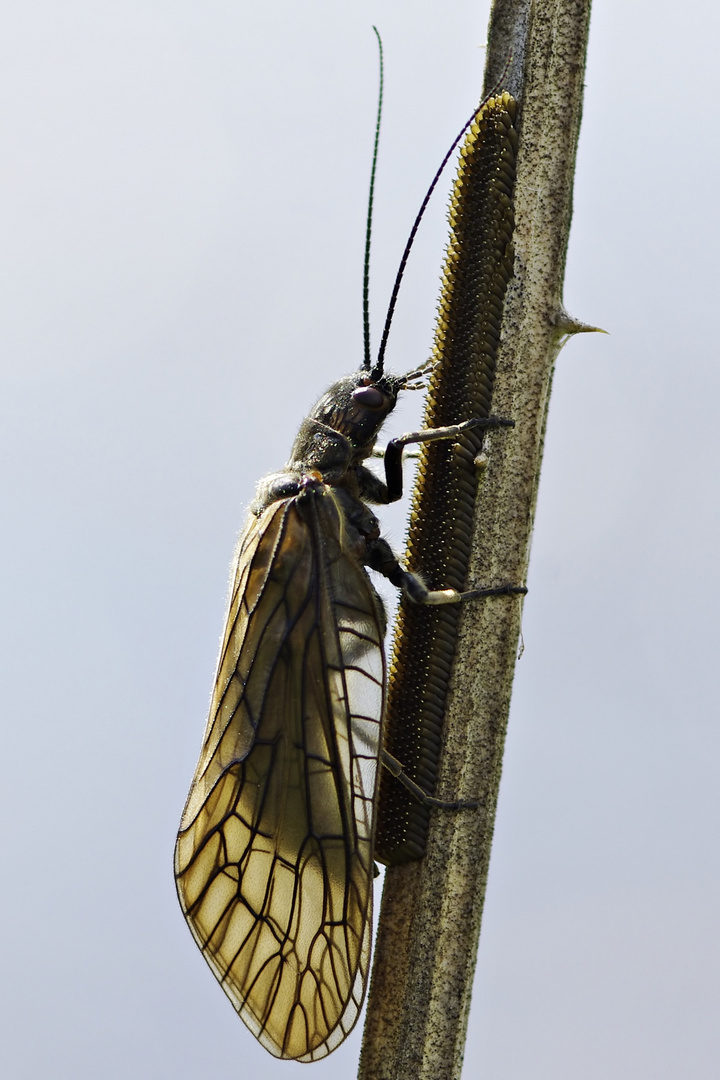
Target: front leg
{"x":394,"y":449}
{"x":372,"y":488}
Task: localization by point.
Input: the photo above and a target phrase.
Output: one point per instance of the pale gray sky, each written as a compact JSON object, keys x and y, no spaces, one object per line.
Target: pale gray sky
{"x":182,"y":214}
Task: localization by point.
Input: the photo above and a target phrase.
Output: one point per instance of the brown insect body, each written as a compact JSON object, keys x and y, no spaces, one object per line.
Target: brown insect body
{"x":274,"y":857}
{"x":274,"y":860}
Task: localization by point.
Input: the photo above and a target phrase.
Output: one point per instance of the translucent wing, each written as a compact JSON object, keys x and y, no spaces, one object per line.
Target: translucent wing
{"x":274,"y":855}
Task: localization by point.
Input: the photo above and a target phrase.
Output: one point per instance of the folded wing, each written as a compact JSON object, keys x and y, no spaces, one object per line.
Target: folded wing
{"x":273,"y":859}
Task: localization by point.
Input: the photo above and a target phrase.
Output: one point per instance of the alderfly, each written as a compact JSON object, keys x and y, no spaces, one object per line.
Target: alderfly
{"x":274,"y":857}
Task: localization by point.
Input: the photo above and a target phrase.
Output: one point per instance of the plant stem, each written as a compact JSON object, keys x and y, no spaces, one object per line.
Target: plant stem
{"x":431,"y":910}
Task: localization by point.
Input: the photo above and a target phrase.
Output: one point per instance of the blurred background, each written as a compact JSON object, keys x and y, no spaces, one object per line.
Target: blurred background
{"x":182,"y":217}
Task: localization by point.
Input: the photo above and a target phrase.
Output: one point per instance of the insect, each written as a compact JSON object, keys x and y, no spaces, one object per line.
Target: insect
{"x":274,"y":857}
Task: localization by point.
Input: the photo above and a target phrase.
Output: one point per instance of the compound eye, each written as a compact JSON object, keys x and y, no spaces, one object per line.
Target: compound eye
{"x":369,"y":396}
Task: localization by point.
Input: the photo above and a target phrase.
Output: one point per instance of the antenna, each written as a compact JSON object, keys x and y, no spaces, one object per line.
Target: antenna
{"x":379,"y":365}
{"x":368,"y":229}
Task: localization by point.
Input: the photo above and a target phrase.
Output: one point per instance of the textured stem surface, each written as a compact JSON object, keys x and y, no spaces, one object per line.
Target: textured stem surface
{"x":431,"y":910}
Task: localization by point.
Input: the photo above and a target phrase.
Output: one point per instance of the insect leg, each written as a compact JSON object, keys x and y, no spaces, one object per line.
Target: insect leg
{"x":381,"y":557}
{"x":395,"y":767}
{"x":394,"y":449}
